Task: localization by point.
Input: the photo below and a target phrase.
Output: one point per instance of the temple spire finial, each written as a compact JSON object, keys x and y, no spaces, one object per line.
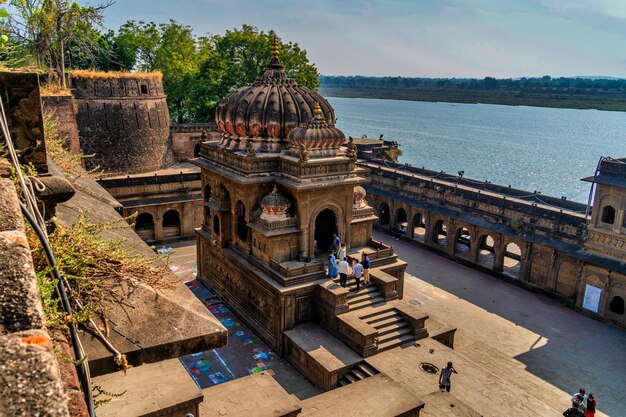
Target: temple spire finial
{"x":275,"y":52}
{"x":317,"y":110}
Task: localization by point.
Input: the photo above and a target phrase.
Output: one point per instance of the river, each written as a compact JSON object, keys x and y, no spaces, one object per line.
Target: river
{"x":531,"y":148}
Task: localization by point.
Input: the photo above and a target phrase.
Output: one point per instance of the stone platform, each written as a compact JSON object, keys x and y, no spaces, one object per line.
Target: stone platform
{"x":445,"y":404}
{"x":489,"y":392}
{"x":162,"y":389}
{"x":377,"y":396}
{"x":320,"y":356}
{"x":256,"y":395}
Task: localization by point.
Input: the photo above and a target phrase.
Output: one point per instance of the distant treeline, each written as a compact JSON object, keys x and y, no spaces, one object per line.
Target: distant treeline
{"x":586,"y":93}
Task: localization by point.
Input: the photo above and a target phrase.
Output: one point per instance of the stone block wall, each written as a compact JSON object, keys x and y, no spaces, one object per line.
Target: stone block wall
{"x":64,"y":110}
{"x":30,"y":380}
{"x":123,"y":121}
{"x":185,"y":137}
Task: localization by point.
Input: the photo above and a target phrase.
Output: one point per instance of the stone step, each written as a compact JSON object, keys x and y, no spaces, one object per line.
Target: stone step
{"x":343,"y":382}
{"x":367,"y":290}
{"x":350,"y":377}
{"x":398,"y":326}
{"x":395,"y":334}
{"x":385,"y":320}
{"x":402,"y":340}
{"x":370,"y":302}
{"x":364,"y":296}
{"x":368,"y":369}
{"x":377,"y":311}
{"x":359,"y":374}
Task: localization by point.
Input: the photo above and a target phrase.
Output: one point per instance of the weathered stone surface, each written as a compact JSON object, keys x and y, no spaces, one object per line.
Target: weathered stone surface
{"x":445,"y":404}
{"x":30,"y":383}
{"x":20,"y":305}
{"x":10,"y":213}
{"x":256,"y":395}
{"x":147,"y":324}
{"x":377,"y":396}
{"x":162,"y":389}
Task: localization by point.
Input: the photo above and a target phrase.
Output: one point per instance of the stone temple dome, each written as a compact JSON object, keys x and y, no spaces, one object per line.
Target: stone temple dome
{"x":274,"y":206}
{"x":316,"y":135}
{"x":268,"y":108}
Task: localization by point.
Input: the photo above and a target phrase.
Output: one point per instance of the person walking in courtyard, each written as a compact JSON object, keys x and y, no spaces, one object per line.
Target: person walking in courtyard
{"x":344,"y":270}
{"x":583,"y":398}
{"x":446,"y":376}
{"x":342,"y":251}
{"x":365,"y":262}
{"x":573,"y":411}
{"x":357,"y":269}
{"x":591,"y":406}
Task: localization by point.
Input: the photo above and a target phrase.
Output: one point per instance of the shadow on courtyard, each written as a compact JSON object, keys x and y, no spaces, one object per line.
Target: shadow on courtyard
{"x":571,"y":350}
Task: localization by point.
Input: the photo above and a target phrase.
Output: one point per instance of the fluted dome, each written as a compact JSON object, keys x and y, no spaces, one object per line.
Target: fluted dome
{"x":270,"y":107}
{"x":316,"y":134}
{"x":274,"y":206}
{"x":359,"y":196}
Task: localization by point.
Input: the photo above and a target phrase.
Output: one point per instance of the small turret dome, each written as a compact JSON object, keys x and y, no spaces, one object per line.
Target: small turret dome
{"x":274,"y":206}
{"x":317,"y":134}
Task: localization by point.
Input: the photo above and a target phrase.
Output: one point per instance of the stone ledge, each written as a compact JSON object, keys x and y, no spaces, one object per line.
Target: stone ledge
{"x":10,"y":213}
{"x":20,"y":303}
{"x":30,"y":383}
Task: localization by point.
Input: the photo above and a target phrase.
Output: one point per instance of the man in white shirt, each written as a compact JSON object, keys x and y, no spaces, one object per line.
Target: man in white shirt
{"x":344,"y":269}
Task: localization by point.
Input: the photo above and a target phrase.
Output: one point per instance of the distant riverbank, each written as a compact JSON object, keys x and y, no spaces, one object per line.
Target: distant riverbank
{"x":534,"y":98}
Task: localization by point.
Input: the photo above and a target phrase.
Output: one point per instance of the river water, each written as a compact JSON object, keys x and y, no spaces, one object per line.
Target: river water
{"x":531,"y":148}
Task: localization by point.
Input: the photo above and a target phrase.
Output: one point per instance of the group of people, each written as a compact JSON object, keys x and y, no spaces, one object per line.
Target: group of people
{"x":398,"y":231}
{"x":338,"y":265}
{"x":582,"y":405}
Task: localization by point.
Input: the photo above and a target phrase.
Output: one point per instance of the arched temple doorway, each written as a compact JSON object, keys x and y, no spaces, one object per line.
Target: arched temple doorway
{"x":401,"y":217}
{"x":384,"y":215}
{"x":171,"y":224}
{"x":144,"y":226}
{"x":325,"y":227}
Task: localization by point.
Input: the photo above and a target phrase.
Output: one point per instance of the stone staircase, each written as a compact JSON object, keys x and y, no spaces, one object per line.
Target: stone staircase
{"x":393,"y":329}
{"x":358,"y":373}
{"x":368,"y":296}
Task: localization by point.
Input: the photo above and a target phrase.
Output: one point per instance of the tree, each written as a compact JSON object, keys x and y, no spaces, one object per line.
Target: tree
{"x":47,"y":27}
{"x":239,"y":57}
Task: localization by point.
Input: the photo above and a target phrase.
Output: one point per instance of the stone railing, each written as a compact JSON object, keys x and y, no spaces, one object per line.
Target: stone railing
{"x":333,"y":297}
{"x":444,"y":336}
{"x":359,"y":213}
{"x":277,"y":224}
{"x":193,"y":127}
{"x":29,"y":367}
{"x":415,"y":318}
{"x":387,"y":284}
{"x":357,"y":334}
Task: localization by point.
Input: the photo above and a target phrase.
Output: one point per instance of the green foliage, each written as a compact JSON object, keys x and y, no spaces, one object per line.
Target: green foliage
{"x":392,"y":154}
{"x":517,"y":223}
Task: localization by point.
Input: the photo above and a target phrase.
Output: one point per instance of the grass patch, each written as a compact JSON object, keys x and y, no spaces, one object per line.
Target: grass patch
{"x":102,"y":75}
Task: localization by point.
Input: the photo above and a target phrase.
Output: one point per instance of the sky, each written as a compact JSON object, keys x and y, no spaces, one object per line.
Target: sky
{"x":419,"y":38}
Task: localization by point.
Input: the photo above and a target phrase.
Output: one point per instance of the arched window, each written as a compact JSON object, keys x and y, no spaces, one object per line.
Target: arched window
{"x":617,"y":305}
{"x":242,"y":226}
{"x":608,"y":215}
{"x":419,"y":227}
{"x":144,"y":226}
{"x":511,"y":265}
{"x":440,"y":233}
{"x":462,"y":243}
{"x":401,"y":216}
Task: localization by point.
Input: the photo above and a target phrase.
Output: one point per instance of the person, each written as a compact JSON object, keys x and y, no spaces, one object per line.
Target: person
{"x":332,"y":267}
{"x":395,"y":231}
{"x":402,"y":231}
{"x":581,"y":393}
{"x":342,"y":251}
{"x":573,"y":411}
{"x":357,"y":269}
{"x":591,"y":406}
{"x":344,"y":269}
{"x":445,"y":377}
{"x":580,"y":400}
{"x":365,"y":263}
{"x":335,"y":245}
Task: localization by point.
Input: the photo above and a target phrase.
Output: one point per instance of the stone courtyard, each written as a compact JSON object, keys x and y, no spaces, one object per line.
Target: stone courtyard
{"x":506,"y":330}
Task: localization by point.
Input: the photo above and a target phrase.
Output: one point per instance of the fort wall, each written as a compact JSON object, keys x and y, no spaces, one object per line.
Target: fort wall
{"x":185,"y":137}
{"x":123,"y":121}
{"x":64,"y":110}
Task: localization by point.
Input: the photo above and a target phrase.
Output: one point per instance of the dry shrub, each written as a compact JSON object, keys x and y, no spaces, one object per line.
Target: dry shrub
{"x":102,"y":75}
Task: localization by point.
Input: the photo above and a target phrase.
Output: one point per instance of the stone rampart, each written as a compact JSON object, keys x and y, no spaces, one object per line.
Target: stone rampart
{"x":186,"y":137}
{"x":123,"y":121}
